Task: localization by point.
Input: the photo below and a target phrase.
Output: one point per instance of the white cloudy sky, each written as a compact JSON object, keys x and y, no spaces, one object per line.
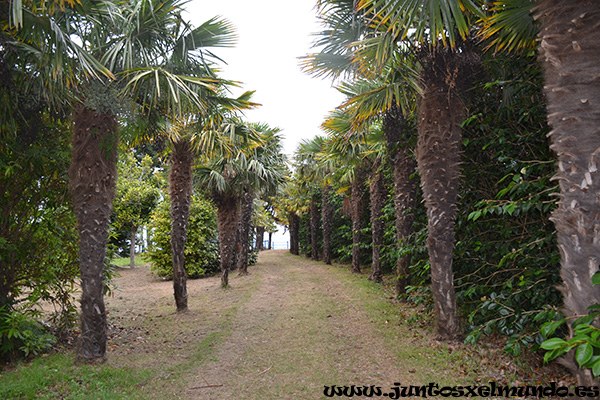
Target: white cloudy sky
{"x":272,"y":35}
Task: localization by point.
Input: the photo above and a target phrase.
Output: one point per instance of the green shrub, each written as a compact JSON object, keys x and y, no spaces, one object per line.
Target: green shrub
{"x":202,"y":246}
{"x":21,"y":334}
{"x":38,"y":235}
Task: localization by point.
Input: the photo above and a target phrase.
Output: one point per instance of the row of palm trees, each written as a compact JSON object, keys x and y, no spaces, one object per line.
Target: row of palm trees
{"x":408,"y":63}
{"x":103,"y":61}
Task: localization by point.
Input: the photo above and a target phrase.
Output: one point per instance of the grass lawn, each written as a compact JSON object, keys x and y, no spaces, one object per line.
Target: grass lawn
{"x":124,"y":261}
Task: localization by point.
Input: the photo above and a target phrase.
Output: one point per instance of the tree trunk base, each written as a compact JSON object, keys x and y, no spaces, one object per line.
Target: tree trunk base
{"x":225,"y":279}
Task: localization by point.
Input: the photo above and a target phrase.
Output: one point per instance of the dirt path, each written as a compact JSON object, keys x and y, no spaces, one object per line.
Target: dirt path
{"x":284,"y":332}
{"x":300,"y":330}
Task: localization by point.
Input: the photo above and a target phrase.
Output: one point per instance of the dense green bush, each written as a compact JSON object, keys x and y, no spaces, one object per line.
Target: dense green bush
{"x":22,"y":334}
{"x":507,"y":263}
{"x":201,"y":249}
{"x":38,"y":239}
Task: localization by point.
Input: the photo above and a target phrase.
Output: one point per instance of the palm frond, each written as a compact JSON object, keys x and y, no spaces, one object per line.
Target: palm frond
{"x":158,"y":87}
{"x":215,"y":32}
{"x":510,"y":26}
{"x":431,"y":20}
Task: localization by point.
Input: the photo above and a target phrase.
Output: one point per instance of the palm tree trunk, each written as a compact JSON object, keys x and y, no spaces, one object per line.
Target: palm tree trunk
{"x":308,"y":239}
{"x":570,"y":52}
{"x":180,"y":187}
{"x":294,"y":221}
{"x":327,"y":217}
{"x":441,"y":113}
{"x":260,"y":238}
{"x":132,"y":249}
{"x":227,"y":223}
{"x":377,"y":193}
{"x":395,"y":130}
{"x":357,"y":210}
{"x":314,"y":228}
{"x":244,"y":233}
{"x":92,"y":177}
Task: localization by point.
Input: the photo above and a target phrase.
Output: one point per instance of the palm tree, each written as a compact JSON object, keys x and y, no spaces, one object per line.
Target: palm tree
{"x":392,"y":95}
{"x":447,"y":67}
{"x":193,"y":112}
{"x":290,"y":203}
{"x":313,"y":174}
{"x":269,"y":155}
{"x":180,"y":190}
{"x":568,"y":47}
{"x":398,"y":136}
{"x":373,"y":153}
{"x":294,"y":226}
{"x":225,"y":173}
{"x":244,"y":224}
{"x":344,"y":25}
{"x":348,"y":149}
{"x":95,"y":139}
{"x":377,"y":193}
{"x":189,"y":137}
{"x":39,"y":56}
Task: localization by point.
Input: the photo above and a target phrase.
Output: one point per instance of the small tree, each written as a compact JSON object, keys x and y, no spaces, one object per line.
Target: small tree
{"x":136,"y":197}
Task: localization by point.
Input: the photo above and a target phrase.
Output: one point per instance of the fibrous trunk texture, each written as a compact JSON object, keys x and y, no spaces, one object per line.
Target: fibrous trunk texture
{"x":92,"y":177}
{"x":396,"y":134}
{"x":570,"y":55}
{"x":260,"y":238}
{"x":356,"y":205}
{"x":227,"y":224}
{"x":441,"y":113}
{"x":244,"y":232}
{"x":132,"y":249}
{"x":327,"y":217}
{"x":314,"y":228}
{"x":180,"y":187}
{"x":308,"y":239}
{"x":294,"y":221}
{"x":377,"y":193}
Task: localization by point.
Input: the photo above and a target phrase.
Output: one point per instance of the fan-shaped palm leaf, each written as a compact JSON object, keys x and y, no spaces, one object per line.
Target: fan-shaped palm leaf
{"x":510,"y":26}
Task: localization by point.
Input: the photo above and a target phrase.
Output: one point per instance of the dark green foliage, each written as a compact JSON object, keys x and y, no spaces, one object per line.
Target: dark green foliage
{"x":137,"y":194}
{"x":202,"y":246}
{"x":252,"y":255}
{"x":304,"y":234}
{"x":21,"y":334}
{"x":584,"y":341}
{"x":506,"y":257}
{"x":38,"y":240}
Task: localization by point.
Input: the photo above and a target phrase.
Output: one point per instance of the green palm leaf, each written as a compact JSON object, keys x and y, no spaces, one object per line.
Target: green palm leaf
{"x":510,"y":26}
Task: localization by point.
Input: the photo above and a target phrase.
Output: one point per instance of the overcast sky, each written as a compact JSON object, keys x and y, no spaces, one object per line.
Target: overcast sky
{"x":272,"y":35}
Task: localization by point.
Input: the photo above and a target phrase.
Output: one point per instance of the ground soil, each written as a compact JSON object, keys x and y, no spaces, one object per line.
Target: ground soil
{"x":285,"y":331}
